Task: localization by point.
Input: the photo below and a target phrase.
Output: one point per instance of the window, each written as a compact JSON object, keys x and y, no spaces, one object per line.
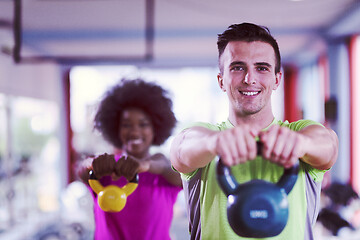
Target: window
{"x":29,"y":147}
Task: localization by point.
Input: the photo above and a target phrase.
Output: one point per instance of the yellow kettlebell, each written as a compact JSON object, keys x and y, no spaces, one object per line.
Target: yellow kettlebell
{"x":112,"y":198}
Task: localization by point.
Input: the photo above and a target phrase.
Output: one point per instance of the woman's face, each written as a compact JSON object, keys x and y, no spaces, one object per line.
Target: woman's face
{"x":136,"y":132}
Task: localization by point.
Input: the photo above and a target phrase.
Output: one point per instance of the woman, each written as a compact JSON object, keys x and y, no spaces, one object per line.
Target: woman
{"x":133,"y":116}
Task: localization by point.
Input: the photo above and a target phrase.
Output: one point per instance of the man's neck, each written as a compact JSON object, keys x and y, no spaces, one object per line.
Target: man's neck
{"x":258,"y":121}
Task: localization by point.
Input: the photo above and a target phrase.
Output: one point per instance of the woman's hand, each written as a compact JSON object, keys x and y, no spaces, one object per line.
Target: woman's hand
{"x":128,"y":167}
{"x":103,"y":165}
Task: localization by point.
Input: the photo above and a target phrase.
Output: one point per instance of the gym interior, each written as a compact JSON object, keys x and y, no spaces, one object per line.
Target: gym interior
{"x":59,"y":57}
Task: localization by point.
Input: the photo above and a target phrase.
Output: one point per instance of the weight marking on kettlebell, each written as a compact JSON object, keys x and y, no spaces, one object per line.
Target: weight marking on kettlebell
{"x":258,"y":208}
{"x":231,"y":199}
{"x":256,"y":214}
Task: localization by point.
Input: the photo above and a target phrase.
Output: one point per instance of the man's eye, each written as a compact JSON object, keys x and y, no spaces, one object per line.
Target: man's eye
{"x":261,"y":69}
{"x":237,"y":68}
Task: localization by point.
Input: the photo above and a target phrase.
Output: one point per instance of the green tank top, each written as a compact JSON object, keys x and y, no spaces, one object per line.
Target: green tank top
{"x":207,"y":203}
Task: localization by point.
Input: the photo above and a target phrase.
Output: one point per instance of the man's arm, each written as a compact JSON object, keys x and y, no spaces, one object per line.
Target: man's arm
{"x":314,"y":144}
{"x":191,"y":149}
{"x":195,"y":147}
{"x":322,"y":147}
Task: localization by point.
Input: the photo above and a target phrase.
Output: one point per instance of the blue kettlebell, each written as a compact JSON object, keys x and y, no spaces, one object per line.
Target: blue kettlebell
{"x":256,"y":209}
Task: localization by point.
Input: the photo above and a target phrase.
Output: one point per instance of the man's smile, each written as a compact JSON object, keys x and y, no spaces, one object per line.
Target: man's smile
{"x":249,"y":93}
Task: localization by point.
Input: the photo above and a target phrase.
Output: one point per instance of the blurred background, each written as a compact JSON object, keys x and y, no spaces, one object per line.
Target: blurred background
{"x":58,"y":57}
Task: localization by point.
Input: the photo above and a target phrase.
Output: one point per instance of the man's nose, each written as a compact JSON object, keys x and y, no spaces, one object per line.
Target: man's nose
{"x":249,"y":78}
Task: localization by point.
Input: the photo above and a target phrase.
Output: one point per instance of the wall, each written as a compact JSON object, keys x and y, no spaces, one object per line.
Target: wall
{"x":40,"y":81}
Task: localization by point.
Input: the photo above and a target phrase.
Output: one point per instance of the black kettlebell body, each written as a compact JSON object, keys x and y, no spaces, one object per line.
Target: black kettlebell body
{"x":256,"y":209}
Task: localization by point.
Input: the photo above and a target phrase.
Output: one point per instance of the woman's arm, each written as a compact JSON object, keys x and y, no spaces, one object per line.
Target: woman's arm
{"x":83,"y":169}
{"x":159,"y":164}
{"x":129,"y":166}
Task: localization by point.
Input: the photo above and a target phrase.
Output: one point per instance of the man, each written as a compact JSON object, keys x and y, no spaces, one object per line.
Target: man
{"x":250,"y":63}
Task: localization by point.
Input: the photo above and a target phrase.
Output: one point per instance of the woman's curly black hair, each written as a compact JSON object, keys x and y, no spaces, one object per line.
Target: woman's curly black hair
{"x":147,"y":96}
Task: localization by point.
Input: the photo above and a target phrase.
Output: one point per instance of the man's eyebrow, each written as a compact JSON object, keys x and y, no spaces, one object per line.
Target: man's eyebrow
{"x":241,"y":63}
{"x":237,"y":63}
{"x":262,"y":64}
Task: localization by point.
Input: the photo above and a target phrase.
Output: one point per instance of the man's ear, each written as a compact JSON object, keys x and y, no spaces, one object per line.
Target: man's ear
{"x":221,"y":82}
{"x":277,"y":80}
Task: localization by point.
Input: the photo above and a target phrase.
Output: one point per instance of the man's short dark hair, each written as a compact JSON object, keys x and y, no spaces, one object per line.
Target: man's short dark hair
{"x":248,"y":32}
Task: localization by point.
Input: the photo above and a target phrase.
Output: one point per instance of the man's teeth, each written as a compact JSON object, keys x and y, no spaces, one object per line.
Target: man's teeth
{"x":249,"y":93}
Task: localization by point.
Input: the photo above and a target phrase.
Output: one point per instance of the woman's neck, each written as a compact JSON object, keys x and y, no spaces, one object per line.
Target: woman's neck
{"x":140,"y":156}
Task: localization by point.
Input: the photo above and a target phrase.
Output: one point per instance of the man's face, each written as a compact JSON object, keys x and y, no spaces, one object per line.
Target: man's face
{"x":248,"y":76}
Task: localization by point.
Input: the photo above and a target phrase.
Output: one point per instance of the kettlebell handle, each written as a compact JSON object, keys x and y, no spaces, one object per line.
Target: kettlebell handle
{"x":97,"y":187}
{"x":93,"y":177}
{"x":289,"y":177}
{"x":229,"y":184}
